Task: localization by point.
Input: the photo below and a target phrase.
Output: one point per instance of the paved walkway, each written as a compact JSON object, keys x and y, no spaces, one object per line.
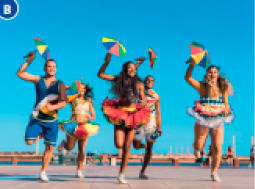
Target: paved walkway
{"x":62,"y":177}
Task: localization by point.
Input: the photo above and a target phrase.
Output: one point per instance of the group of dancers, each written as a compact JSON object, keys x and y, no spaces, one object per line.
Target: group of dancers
{"x":134,"y":111}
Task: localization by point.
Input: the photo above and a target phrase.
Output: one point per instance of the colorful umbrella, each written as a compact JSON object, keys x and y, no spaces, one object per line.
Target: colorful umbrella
{"x":113,"y":46}
{"x":199,"y":54}
{"x":73,"y":91}
{"x":153,"y":58}
{"x":42,"y":48}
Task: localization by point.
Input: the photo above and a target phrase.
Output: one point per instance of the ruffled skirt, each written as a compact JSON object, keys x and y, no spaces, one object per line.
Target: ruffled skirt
{"x":210,"y":117}
{"x":124,"y":116}
{"x":78,"y":130}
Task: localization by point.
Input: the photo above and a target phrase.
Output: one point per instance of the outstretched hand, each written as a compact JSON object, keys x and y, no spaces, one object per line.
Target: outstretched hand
{"x":141,"y":60}
{"x":108,"y":57}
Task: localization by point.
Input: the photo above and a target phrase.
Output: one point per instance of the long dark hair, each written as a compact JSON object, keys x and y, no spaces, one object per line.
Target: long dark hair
{"x":124,"y":86}
{"x":221,"y":80}
{"x":89,"y":92}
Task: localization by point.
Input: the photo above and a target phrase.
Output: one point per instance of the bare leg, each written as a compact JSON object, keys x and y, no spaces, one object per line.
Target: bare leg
{"x":129,"y":136}
{"x":81,"y":147}
{"x":138,"y":145}
{"x":119,"y":136}
{"x":47,"y":156}
{"x":147,"y":156}
{"x":216,"y":144}
{"x":70,"y":144}
{"x":201,"y":134}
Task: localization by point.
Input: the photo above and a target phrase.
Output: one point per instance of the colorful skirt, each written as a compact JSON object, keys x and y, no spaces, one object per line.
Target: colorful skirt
{"x":78,"y":130}
{"x":210,"y":116}
{"x":124,"y":116}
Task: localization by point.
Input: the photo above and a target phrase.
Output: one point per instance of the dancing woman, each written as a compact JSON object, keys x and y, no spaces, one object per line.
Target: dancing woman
{"x":124,"y":111}
{"x":79,"y":127}
{"x":211,"y":112}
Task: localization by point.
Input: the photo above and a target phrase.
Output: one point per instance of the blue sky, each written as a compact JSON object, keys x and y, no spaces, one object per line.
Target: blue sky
{"x":74,"y":30}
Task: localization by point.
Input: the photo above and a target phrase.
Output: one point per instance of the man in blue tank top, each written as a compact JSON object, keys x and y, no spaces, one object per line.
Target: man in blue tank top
{"x":50,"y":97}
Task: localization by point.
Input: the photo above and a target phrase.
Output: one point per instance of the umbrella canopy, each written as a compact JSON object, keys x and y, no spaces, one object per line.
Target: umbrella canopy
{"x":153,"y":58}
{"x":113,"y":46}
{"x":73,"y":91}
{"x":199,"y":54}
{"x":42,"y":48}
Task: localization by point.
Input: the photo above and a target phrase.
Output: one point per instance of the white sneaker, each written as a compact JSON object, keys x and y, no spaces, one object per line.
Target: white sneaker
{"x":79,"y":174}
{"x":215,"y":177}
{"x":197,"y":153}
{"x":143,"y":176}
{"x":62,"y":145}
{"x":249,"y":165}
{"x":121,"y":179}
{"x":43,"y":177}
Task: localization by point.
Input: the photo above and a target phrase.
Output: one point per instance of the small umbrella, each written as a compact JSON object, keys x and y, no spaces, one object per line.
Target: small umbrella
{"x":73,"y":91}
{"x":152,"y":56}
{"x":42,"y":48}
{"x":199,"y":54}
{"x":113,"y":46}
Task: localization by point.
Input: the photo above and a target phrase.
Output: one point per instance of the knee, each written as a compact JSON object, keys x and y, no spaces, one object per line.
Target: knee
{"x":127,"y":147}
{"x":29,"y":142}
{"x":217,"y":149}
{"x":118,"y":145}
{"x":136,"y":145}
{"x":69,"y":147}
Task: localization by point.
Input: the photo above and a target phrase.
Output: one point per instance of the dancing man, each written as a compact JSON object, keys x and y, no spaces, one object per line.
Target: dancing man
{"x":152,"y":130}
{"x":211,"y":112}
{"x":79,"y":127}
{"x":123,"y":110}
{"x":50,"y":97}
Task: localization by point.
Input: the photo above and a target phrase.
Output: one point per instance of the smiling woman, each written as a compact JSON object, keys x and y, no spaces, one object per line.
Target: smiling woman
{"x":211,"y":112}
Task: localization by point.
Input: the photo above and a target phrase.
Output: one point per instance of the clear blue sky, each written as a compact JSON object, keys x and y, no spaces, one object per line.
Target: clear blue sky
{"x":74,"y":30}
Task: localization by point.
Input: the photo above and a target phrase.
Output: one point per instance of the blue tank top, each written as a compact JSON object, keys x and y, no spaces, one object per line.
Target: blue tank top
{"x":46,"y":95}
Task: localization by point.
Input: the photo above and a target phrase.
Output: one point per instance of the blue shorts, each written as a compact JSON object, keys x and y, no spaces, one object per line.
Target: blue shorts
{"x":49,"y":129}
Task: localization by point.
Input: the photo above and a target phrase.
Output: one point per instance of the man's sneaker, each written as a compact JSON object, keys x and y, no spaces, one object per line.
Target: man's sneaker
{"x":43,"y":177}
{"x":197,"y":154}
{"x":62,"y":145}
{"x":121,"y":179}
{"x":143,"y":176}
{"x":215,"y":177}
{"x":79,"y":174}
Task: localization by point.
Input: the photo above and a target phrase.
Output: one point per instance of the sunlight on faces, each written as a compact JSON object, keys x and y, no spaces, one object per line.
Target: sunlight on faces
{"x":212,"y":74}
{"x":131,"y":70}
{"x":50,"y":68}
{"x":149,"y":83}
{"x":83,"y":89}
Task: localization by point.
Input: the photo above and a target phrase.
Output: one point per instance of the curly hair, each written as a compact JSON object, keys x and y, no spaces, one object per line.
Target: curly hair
{"x":89,"y":92}
{"x":124,"y":86}
{"x":222,"y":82}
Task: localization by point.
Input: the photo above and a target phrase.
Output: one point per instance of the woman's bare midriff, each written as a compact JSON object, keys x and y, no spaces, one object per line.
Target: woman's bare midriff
{"x":79,"y":117}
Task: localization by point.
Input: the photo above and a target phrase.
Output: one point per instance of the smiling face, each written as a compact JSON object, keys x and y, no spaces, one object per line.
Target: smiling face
{"x":83,"y":90}
{"x":131,"y":70}
{"x":149,"y":82}
{"x":50,"y":68}
{"x":212,"y":74}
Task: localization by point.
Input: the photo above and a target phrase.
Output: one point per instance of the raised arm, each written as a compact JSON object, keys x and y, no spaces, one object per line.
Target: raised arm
{"x":92,"y":115}
{"x":140,"y":61}
{"x":22,"y":74}
{"x":158,"y":115}
{"x":102,"y":73}
{"x":194,"y":83}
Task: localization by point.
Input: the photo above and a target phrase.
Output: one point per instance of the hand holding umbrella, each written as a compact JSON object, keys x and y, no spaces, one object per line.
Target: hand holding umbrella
{"x":199,"y":54}
{"x":152,"y":56}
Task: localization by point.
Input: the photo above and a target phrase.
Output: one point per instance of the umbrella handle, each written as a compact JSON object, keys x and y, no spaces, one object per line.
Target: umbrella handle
{"x":136,"y":59}
{"x":187,"y":61}
{"x":26,"y":56}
